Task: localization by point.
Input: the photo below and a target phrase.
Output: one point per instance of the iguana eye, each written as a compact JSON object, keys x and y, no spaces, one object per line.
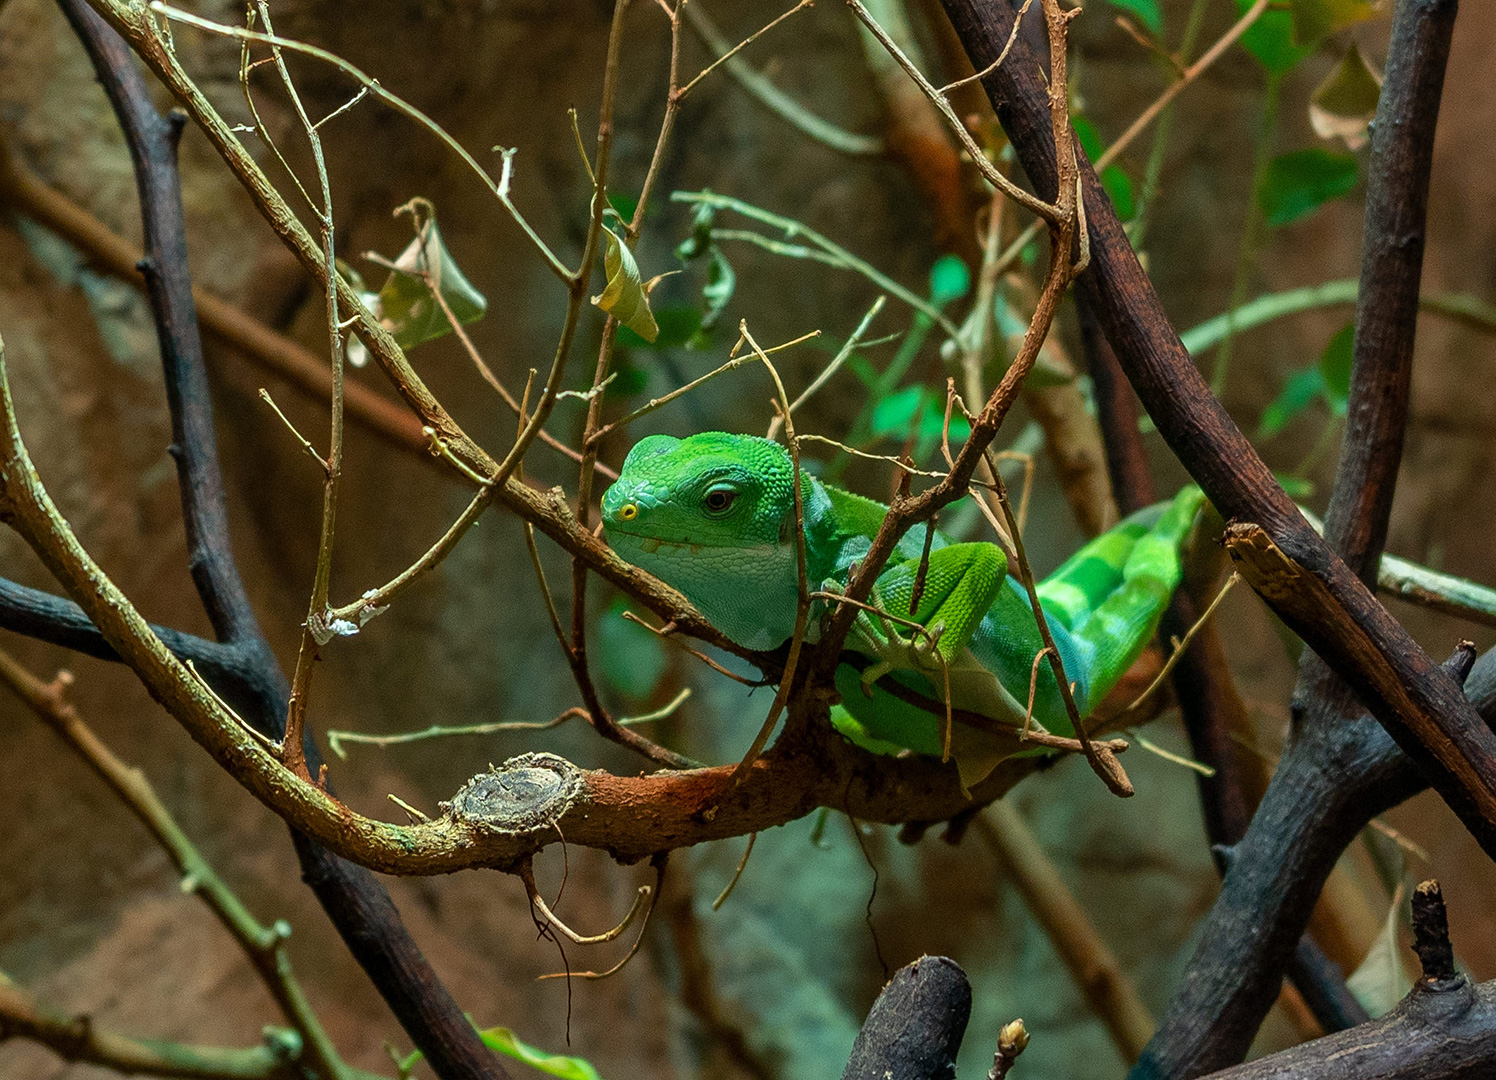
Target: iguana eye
{"x":719,"y":500}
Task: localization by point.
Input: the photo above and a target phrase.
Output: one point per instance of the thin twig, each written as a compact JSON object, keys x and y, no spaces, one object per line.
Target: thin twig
{"x":763,"y":90}
{"x":1181,"y":644}
{"x":336,"y":739}
{"x":736,"y":874}
{"x":1011,"y":254}
{"x":834,"y":254}
{"x":656,"y":403}
{"x":641,"y":898}
{"x":749,"y":40}
{"x":848,"y":347}
{"x":1104,"y":765}
{"x":989,"y":69}
{"x":989,"y":171}
{"x":802,"y":607}
{"x":499,"y":188}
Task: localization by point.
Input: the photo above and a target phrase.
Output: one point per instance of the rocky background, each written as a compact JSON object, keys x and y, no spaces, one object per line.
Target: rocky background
{"x":91,"y":917}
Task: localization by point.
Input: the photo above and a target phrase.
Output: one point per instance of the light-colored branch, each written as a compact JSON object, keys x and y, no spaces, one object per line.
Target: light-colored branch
{"x":336,"y":739}
{"x":1407,"y":580}
{"x":265,"y":946}
{"x":1462,"y":308}
{"x":749,"y":40}
{"x":77,"y":1038}
{"x":1092,"y":964}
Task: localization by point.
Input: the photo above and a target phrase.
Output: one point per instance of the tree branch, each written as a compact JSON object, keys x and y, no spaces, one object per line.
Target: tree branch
{"x":1438,"y":1032}
{"x":915,"y":1027}
{"x":1332,"y":780}
{"x":75,"y":1038}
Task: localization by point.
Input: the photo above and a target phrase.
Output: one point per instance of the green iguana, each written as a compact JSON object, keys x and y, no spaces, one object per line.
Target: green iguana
{"x":714,"y":516}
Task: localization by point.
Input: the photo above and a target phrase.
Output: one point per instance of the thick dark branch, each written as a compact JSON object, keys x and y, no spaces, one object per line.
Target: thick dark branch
{"x":1402,"y":153}
{"x":1444,"y":1031}
{"x":1405,"y":690}
{"x":357,"y":904}
{"x":1209,"y":704}
{"x":1332,"y":780}
{"x":1386,"y":316}
{"x":232,"y":670}
{"x":153,"y":139}
{"x":915,"y":1027}
{"x":1386,"y":321}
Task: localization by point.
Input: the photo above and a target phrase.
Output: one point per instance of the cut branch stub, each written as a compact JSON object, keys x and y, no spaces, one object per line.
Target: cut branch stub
{"x":1431,"y":933}
{"x":525,"y":794}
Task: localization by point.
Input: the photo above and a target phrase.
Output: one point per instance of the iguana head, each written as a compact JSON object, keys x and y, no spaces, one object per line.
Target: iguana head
{"x":713,"y":515}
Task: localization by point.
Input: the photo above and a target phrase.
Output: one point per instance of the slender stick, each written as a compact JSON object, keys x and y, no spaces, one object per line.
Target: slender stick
{"x":1092,"y":963}
{"x":990,"y":172}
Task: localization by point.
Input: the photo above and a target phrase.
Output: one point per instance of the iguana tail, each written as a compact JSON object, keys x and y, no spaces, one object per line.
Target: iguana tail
{"x":1112,"y":592}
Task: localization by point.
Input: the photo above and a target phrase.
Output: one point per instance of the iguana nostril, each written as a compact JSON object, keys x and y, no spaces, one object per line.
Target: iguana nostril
{"x":628,"y":512}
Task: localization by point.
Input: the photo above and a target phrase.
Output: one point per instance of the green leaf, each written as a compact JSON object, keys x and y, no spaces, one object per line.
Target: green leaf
{"x":699,"y":242}
{"x":894,"y":415}
{"x":1146,"y":10}
{"x":1119,"y":188}
{"x":631,"y":656}
{"x":1335,"y":367}
{"x":504,"y":1041}
{"x":1382,"y":979}
{"x":405,"y":305}
{"x":950,"y":279}
{"x":567,"y":1068}
{"x":628,"y":377}
{"x":1314,"y":19}
{"x":1344,"y":104}
{"x":1301,"y":389}
{"x":624,"y":206}
{"x":721,"y":283}
{"x":678,"y":325}
{"x":1086,"y":133}
{"x":1299,"y":183}
{"x":1295,"y":487}
{"x":1116,"y":182}
{"x":624,"y":297}
{"x":1271,"y":39}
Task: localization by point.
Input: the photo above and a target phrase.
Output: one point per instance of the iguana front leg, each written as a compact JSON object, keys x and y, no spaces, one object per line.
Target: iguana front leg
{"x":961,"y":581}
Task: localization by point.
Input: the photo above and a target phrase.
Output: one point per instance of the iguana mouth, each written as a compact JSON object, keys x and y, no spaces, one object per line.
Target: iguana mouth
{"x":651,"y":544}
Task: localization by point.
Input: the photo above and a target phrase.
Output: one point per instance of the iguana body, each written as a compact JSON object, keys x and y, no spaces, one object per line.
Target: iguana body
{"x":713,"y":515}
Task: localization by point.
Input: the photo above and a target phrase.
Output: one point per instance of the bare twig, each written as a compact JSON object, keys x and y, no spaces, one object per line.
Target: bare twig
{"x":749,"y":40}
{"x":763,"y":90}
{"x":994,"y":176}
{"x":1092,"y":964}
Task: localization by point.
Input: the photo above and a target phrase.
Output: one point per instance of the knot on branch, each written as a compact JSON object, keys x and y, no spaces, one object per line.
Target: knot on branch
{"x":524,"y":794}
